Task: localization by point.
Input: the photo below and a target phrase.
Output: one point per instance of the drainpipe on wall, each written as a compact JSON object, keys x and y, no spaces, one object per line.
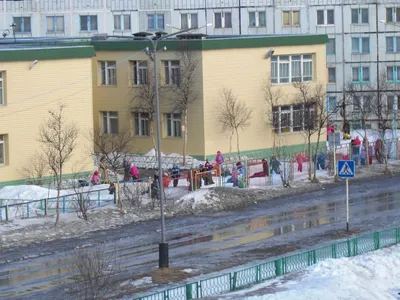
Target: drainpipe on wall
{"x":343,"y":72}
{"x":240,"y":18}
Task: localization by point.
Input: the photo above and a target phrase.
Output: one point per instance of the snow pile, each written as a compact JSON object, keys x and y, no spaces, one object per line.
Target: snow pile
{"x":149,"y":161}
{"x":200,"y":200}
{"x":372,"y":276}
{"x":142,"y":282}
{"x":27,"y":192}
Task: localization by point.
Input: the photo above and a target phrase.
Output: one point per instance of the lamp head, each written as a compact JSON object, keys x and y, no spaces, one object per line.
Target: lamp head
{"x":269,"y":53}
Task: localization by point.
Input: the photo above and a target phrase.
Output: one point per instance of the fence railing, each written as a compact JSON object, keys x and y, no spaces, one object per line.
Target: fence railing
{"x":68,"y":203}
{"x":243,"y":278}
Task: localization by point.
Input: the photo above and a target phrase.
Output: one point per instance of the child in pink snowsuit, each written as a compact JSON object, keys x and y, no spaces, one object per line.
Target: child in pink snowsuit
{"x":235,"y":177}
{"x":300,"y":160}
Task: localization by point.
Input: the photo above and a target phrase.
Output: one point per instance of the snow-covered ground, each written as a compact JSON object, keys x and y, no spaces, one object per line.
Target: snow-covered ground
{"x":371,"y":276}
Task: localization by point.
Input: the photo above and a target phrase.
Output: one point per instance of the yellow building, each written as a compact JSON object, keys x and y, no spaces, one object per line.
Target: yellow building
{"x":99,"y":81}
{"x":236,"y":64}
{"x":34,"y":80}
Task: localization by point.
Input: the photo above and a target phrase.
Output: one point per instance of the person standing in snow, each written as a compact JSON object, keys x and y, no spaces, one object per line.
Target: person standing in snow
{"x":103,"y":168}
{"x":300,"y":160}
{"x":175,"y":174}
{"x":95,"y":178}
{"x":219,"y":160}
{"x":134,"y":173}
{"x":235,"y":177}
{"x":127,"y":169}
{"x":209,"y":168}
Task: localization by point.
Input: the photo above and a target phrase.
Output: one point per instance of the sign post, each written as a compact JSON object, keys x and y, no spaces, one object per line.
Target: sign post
{"x":346,"y":170}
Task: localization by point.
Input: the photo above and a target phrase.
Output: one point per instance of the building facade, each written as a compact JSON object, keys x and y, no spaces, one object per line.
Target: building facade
{"x":34,"y":80}
{"x":360,"y":46}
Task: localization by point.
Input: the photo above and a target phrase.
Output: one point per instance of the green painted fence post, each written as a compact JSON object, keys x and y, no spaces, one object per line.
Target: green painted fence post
{"x":278,"y":267}
{"x":314,"y":257}
{"x":199,"y":290}
{"x":189,"y":295}
{"x":309,"y":256}
{"x":258,"y":273}
{"x":98,"y":198}
{"x":397,"y":235}
{"x":27,"y":209}
{"x":349,"y":252}
{"x":63,"y":206}
{"x":377,"y":240}
{"x":6,"y":212}
{"x":166,"y":295}
{"x":46,"y":206}
{"x":334,"y":253}
{"x":355,"y":247}
{"x":233,"y":280}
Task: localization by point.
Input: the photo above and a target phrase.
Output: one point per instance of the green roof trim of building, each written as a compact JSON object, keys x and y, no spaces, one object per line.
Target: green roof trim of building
{"x":214,"y":43}
{"x":45,"y":53}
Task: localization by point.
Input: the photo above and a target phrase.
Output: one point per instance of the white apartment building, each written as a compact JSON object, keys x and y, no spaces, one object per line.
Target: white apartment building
{"x":361,"y":45}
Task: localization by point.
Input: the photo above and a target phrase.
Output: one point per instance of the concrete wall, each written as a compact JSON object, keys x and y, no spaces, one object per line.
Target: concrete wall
{"x":29,"y":96}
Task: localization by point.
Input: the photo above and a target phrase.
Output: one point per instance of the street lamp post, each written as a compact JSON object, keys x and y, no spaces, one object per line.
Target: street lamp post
{"x":163,"y":259}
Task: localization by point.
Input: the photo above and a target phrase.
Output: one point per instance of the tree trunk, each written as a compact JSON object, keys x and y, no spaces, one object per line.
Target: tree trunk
{"x":153,"y":139}
{"x":230,"y":142}
{"x":184,"y":136}
{"x":311,"y":158}
{"x":58,"y":199}
{"x":366,"y":143}
{"x":237,"y":142}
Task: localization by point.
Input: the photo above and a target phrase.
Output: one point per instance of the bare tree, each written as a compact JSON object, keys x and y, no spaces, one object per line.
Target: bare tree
{"x":113,"y":149}
{"x":143,"y":101}
{"x":93,"y":273}
{"x":360,"y":97}
{"x":82,"y":201}
{"x":314,"y":116}
{"x":58,"y":140}
{"x":234,"y":115}
{"x":183,"y":85}
{"x":35,"y":168}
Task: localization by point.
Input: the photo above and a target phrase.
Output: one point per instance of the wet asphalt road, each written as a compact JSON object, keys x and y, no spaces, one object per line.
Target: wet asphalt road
{"x":211,"y":242}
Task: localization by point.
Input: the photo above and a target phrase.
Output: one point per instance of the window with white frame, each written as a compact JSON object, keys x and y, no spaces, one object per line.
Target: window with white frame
{"x":359,"y":16}
{"x":331,"y":74}
{"x":360,"y":45}
{"x":189,"y":21}
{"x":223,"y":20}
{"x":325,"y":17}
{"x":257,"y":19}
{"x":174,"y":125}
{"x":172,"y":71}
{"x":331,"y":103}
{"x":293,"y":118}
{"x":2,"y":101}
{"x":108,"y":72}
{"x":55,"y":24}
{"x":122,"y":22}
{"x":291,"y":18}
{"x":331,"y":46}
{"x":393,"y":102}
{"x":88,"y":23}
{"x":392,"y":14}
{"x":22,"y":24}
{"x":142,"y":124}
{"x":140,"y":72}
{"x":2,"y":149}
{"x":393,"y":44}
{"x":110,"y":122}
{"x":360,"y":74}
{"x":291,"y":68}
{"x":393,"y":73}
{"x":155,"y":22}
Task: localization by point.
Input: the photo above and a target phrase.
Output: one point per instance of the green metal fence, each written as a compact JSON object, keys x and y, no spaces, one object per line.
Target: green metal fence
{"x":281,"y":266}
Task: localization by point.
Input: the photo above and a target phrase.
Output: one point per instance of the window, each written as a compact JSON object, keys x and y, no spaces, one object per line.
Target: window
{"x":89,"y":23}
{"x":172,"y":71}
{"x":223,"y":20}
{"x":331,"y":75}
{"x":293,"y":118}
{"x":155,"y":21}
{"x":22,"y":24}
{"x":189,"y":21}
{"x":294,"y":68}
{"x":2,"y":102}
{"x":360,"y":74}
{"x":392,"y":14}
{"x":174,"y":127}
{"x":331,"y":103}
{"x":291,"y":18}
{"x":140,"y":72}
{"x":122,"y":22}
{"x":141,"y":124}
{"x":110,"y":122}
{"x":393,"y":102}
{"x":257,"y":19}
{"x":393,"y":73}
{"x":331,"y":46}
{"x":55,"y":24}
{"x":393,"y":44}
{"x":2,"y":150}
{"x":366,"y":103}
{"x":359,"y":16}
{"x":325,"y":17}
{"x":360,"y":45}
{"x":108,"y":72}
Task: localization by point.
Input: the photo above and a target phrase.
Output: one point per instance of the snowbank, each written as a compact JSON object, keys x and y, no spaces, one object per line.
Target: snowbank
{"x":372,"y":276}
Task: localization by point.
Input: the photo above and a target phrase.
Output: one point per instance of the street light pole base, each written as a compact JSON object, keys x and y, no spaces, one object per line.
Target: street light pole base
{"x":163,"y":259}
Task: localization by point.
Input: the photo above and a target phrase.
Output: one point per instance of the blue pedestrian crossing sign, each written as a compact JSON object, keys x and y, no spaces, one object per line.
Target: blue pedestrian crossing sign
{"x":346,"y":169}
